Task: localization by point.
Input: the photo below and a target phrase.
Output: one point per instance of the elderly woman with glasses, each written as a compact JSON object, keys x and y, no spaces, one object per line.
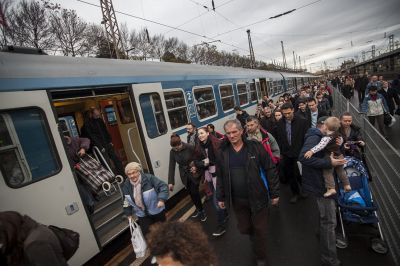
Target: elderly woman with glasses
{"x":183,"y":154}
{"x":144,"y":196}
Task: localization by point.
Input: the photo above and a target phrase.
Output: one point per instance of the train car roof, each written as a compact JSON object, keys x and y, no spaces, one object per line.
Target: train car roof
{"x":30,"y":72}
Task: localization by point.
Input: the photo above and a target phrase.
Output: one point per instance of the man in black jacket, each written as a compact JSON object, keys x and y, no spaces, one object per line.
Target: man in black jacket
{"x":314,"y":112}
{"x":239,"y":182}
{"x":314,"y":185}
{"x":96,"y":131}
{"x":241,"y":115}
{"x":289,"y":134}
{"x":390,"y":95}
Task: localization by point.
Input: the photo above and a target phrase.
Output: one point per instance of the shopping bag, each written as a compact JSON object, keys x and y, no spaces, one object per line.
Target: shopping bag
{"x":392,"y":122}
{"x":138,"y":242}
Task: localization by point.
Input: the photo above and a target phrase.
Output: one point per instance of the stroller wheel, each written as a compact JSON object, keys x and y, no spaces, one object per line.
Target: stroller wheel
{"x":119,"y":179}
{"x":341,"y":242}
{"x":379,"y":246}
{"x":106,"y":186}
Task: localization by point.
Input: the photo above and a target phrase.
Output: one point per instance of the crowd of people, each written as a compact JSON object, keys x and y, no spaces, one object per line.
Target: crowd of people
{"x":243,"y":167}
{"x":377,"y":97}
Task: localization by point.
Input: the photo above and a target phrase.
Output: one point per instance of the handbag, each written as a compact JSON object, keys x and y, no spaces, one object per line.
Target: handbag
{"x":387,"y":119}
{"x":138,"y":242}
{"x":69,"y":240}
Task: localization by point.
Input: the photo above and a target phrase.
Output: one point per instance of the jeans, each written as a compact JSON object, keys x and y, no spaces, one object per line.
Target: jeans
{"x":221,"y":213}
{"x":193,"y":189}
{"x":327,"y":236}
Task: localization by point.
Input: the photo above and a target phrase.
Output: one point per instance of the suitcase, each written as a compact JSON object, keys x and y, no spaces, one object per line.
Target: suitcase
{"x":94,"y":174}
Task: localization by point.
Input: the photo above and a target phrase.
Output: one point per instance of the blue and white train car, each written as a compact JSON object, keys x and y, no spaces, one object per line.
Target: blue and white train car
{"x":142,"y":104}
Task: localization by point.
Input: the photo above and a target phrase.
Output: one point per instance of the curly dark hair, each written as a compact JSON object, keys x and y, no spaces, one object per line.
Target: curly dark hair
{"x":182,"y":241}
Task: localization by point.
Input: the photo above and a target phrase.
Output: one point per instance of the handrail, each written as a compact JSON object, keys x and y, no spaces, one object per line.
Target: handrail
{"x":130,"y":143}
{"x":98,"y":154}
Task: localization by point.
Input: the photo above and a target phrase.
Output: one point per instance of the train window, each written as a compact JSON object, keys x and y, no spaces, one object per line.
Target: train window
{"x":253,"y":92}
{"x":125,"y":111}
{"x":242,"y":92}
{"x":153,"y":114}
{"x":27,"y":154}
{"x":227,"y":97}
{"x":177,"y":108}
{"x":205,"y":102}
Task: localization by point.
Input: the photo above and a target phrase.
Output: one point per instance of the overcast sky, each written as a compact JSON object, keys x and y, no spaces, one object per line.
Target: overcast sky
{"x":317,"y":31}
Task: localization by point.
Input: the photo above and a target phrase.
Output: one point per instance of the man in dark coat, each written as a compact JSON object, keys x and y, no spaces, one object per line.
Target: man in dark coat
{"x":239,"y":182}
{"x":96,"y":131}
{"x":314,"y":185}
{"x":314,"y":112}
{"x":241,"y":115}
{"x":391,"y":97}
{"x":289,"y":134}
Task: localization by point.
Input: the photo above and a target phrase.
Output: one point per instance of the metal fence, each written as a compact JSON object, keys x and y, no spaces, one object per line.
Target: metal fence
{"x":383,"y":162}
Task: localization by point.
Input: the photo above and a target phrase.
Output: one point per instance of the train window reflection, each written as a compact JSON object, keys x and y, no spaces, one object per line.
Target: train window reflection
{"x":153,"y":114}
{"x":177,"y":109}
{"x":205,"y":102}
{"x":253,"y":92}
{"x":242,"y":92}
{"x":227,"y":97}
{"x":26,"y":151}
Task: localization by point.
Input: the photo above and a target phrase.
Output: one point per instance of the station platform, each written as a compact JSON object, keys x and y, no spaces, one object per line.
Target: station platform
{"x":292,"y":238}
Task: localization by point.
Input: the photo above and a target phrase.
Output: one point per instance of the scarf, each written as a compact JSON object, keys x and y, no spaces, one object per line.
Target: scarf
{"x":207,"y":146}
{"x":137,"y":192}
{"x":374,"y":97}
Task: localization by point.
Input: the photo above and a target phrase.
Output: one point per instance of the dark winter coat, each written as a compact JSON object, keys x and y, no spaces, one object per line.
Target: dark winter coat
{"x":312,"y":179}
{"x":242,"y":118}
{"x":268,"y":123}
{"x":150,"y":197}
{"x":299,"y":129}
{"x":257,"y":158}
{"x":183,"y":158}
{"x":26,"y":242}
{"x":391,"y":98}
{"x":75,"y":145}
{"x":96,"y":131}
{"x":355,"y":135}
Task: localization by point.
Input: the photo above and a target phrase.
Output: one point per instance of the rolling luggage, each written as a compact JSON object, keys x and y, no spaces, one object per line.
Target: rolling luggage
{"x":94,"y":174}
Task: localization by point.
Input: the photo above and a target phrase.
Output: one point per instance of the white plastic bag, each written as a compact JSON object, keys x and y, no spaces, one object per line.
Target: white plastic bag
{"x":392,"y":122}
{"x":138,"y":242}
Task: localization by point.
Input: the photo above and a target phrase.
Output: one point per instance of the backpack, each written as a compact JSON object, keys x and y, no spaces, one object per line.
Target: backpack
{"x":267,"y":147}
{"x":69,"y":240}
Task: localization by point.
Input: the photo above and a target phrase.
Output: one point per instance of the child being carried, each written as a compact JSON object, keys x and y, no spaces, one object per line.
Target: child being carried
{"x":330,"y":130}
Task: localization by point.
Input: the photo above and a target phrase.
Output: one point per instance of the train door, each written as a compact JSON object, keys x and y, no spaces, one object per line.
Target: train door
{"x":35,"y":175}
{"x":152,"y":110}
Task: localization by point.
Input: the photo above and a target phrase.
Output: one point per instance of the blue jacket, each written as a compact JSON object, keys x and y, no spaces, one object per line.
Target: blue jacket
{"x":364,"y":105}
{"x":313,"y":181}
{"x":153,"y":190}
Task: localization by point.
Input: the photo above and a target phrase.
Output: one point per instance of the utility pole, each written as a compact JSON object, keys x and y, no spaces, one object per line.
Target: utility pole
{"x":284,"y":56}
{"x":252,"y":58}
{"x":363,"y":56}
{"x":112,"y":30}
{"x":391,"y":42}
{"x":294,"y":61}
{"x":373,"y":51}
{"x":300,"y":63}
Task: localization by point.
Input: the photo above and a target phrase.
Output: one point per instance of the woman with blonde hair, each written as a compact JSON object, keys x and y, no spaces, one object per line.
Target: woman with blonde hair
{"x":144,"y":196}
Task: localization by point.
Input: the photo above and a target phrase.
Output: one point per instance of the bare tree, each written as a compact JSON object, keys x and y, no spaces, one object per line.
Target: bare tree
{"x":69,"y":30}
{"x":158,"y":47}
{"x":29,"y":23}
{"x":96,"y":41}
{"x":4,"y":25}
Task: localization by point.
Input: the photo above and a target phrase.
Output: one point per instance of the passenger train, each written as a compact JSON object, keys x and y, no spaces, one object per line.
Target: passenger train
{"x":142,"y":104}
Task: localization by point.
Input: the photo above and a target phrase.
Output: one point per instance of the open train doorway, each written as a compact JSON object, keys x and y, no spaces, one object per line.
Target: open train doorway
{"x":73,"y":108}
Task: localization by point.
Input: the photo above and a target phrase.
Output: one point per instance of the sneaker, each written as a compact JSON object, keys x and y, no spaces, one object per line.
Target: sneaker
{"x":203,"y":216}
{"x":294,"y":199}
{"x":195,"y":214}
{"x":330,"y":192}
{"x":220,"y":231}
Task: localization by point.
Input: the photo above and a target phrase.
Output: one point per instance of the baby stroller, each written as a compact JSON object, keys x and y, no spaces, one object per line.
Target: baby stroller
{"x":96,"y":177}
{"x":357,"y":206}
